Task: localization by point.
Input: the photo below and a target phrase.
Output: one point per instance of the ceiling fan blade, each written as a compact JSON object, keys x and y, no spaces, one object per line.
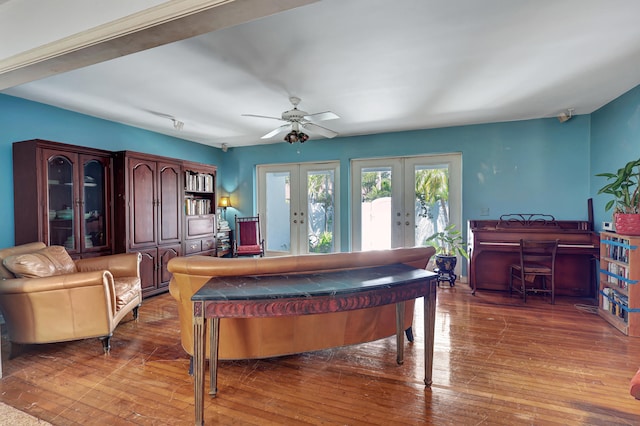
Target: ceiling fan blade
{"x":322,"y":116}
{"x":263,"y":116}
{"x":327,"y":133}
{"x":275,"y":131}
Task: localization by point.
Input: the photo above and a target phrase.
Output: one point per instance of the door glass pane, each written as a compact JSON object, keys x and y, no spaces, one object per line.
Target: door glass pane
{"x":94,"y":204}
{"x":320,"y":210}
{"x":60,"y":183}
{"x":278,"y":216}
{"x":431,"y":201}
{"x":375,"y":187}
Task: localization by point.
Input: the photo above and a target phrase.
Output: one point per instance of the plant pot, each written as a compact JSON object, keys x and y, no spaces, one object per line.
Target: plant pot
{"x":446,"y":264}
{"x":627,"y":223}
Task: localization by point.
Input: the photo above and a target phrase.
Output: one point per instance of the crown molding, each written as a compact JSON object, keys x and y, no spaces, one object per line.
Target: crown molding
{"x":168,"y":22}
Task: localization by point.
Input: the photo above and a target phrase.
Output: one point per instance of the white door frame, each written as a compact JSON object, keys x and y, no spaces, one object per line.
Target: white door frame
{"x":298,"y":208}
{"x":403,"y":207}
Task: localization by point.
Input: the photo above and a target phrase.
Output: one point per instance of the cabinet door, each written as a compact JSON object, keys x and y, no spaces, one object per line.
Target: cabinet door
{"x":165,"y":254}
{"x":95,"y":203}
{"x":170,"y":204}
{"x":149,"y":270}
{"x":62,"y":204}
{"x":143,"y":200}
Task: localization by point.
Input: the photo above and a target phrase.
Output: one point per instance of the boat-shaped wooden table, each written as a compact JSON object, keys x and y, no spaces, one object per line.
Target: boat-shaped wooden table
{"x":306,"y":294}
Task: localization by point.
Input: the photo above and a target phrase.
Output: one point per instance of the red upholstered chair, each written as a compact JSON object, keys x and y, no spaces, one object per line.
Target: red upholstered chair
{"x":248,"y":239}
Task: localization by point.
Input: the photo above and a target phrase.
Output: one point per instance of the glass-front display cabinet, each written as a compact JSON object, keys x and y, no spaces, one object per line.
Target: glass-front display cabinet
{"x":73,"y":205}
{"x":77,"y":201}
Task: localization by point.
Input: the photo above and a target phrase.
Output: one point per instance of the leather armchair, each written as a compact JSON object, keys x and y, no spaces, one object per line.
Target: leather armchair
{"x":88,"y":302}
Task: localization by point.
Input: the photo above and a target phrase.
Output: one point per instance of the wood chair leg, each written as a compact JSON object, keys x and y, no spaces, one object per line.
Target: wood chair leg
{"x":510,"y":281}
{"x":135,"y":312}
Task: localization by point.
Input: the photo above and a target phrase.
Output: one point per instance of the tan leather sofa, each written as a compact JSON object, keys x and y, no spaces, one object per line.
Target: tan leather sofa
{"x":247,"y":338}
{"x":46,"y":297}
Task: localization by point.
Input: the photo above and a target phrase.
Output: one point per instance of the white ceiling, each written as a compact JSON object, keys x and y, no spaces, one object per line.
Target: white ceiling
{"x":380,"y":65}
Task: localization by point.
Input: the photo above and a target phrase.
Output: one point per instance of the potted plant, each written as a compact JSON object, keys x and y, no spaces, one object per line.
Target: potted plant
{"x":623,"y":186}
{"x":448,"y":244}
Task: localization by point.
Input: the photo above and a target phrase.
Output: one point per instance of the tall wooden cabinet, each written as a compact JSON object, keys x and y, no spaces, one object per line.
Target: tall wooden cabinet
{"x":199,"y":208}
{"x":96,"y":202}
{"x":148,"y":213}
{"x":62,"y":196}
{"x":619,"y":294}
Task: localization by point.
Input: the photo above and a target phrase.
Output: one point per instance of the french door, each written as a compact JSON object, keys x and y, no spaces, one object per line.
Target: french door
{"x":400,"y":201}
{"x":298,"y":206}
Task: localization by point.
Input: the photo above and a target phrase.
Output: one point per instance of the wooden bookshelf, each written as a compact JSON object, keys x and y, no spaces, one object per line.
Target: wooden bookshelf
{"x":199,"y":209}
{"x":619,"y":289}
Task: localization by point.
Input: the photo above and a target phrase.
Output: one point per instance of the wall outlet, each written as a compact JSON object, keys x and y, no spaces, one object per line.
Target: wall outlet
{"x":484,"y":211}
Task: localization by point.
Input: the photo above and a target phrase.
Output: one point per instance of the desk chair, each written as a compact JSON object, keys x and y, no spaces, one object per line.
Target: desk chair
{"x":248,"y":239}
{"x":537,"y":263}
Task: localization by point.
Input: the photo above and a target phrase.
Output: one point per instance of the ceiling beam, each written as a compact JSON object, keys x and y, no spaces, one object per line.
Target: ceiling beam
{"x":156,"y":26}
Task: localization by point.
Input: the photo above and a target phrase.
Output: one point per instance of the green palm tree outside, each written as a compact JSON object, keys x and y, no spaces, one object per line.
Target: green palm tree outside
{"x":432,"y":187}
{"x":320,"y":192}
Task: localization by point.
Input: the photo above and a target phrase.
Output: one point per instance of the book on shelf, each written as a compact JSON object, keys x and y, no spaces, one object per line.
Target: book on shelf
{"x":615,"y":303}
{"x":197,"y":206}
{"x":224,"y":245}
{"x":619,"y":250}
{"x":198,"y":182}
{"x":618,"y":275}
{"x":613,"y":268}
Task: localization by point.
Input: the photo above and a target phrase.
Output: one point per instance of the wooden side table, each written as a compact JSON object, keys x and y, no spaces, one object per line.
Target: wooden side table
{"x":306,"y":294}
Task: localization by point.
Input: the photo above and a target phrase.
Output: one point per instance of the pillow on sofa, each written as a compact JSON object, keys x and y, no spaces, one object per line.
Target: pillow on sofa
{"x":53,"y":260}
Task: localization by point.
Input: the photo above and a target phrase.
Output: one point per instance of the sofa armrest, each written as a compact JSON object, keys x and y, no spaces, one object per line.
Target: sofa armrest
{"x":56,"y":282}
{"x":120,"y":265}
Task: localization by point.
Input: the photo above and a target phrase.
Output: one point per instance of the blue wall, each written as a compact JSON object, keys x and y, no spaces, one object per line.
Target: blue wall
{"x":615,"y":140}
{"x":22,"y":120}
{"x":534,"y":166}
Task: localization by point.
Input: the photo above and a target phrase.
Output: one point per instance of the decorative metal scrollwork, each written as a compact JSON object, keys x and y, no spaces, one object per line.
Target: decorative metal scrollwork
{"x":527,"y":220}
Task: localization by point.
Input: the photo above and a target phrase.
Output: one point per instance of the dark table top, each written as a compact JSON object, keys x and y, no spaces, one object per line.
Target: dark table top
{"x":254,"y":287}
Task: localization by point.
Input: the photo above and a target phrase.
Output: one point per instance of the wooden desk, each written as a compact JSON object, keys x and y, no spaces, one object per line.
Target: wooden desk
{"x":306,"y":294}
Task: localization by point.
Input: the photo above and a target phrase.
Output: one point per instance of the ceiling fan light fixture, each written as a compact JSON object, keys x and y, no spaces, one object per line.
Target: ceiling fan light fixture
{"x":295,"y":136}
{"x":297,"y":119}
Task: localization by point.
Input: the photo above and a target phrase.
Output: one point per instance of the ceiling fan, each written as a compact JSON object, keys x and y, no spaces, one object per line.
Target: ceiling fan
{"x":297,"y":120}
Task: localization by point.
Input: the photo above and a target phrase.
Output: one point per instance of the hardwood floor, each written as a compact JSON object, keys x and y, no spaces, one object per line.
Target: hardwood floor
{"x":497,"y":362}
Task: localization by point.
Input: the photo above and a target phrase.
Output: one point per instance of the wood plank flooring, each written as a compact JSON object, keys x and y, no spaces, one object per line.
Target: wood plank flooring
{"x":497,"y":362}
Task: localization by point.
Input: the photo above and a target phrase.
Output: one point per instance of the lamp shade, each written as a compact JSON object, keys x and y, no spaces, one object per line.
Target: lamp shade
{"x":224,"y":202}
